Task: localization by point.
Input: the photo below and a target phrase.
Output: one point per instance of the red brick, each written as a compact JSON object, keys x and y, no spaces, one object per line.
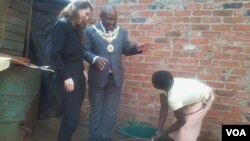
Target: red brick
{"x":234,"y":86}
{"x":232,"y":35}
{"x":174,"y":20}
{"x":199,"y":54}
{"x":145,"y":40}
{"x":180,"y":54}
{"x":240,"y":57}
{"x":202,"y":13}
{"x":241,"y":28}
{"x":123,"y":20}
{"x":182,"y":13}
{"x":233,"y":19}
{"x":162,"y":53}
{"x":238,"y":109}
{"x":195,"y":69}
{"x":211,"y":34}
{"x":164,"y":13}
{"x":212,"y":113}
{"x":134,"y":70}
{"x":212,"y":20}
{"x":137,"y":7}
{"x":207,"y":77}
{"x":175,"y":67}
{"x":221,"y":27}
{"x":211,"y":48}
{"x":225,"y":93}
{"x":129,"y":95}
{"x":235,"y":79}
{"x":210,"y":63}
{"x":186,"y":74}
{"x":193,"y":6}
{"x":247,"y":5}
{"x":148,"y":71}
{"x":129,"y":83}
{"x":146,"y":98}
{"x":192,"y":20}
{"x":215,"y":70}
{"x":230,"y":64}
{"x":121,"y":7}
{"x":146,"y":111}
{"x":221,"y":121}
{"x":146,"y":13}
{"x":142,"y":77}
{"x":232,"y":49}
{"x":188,"y":61}
{"x":199,"y":41}
{"x":155,"y":20}
{"x":235,"y":116}
{"x":137,"y":33}
{"x":145,"y":27}
{"x":154,"y":33}
{"x":137,"y":90}
{"x":146,"y":1}
{"x":136,"y":58}
{"x":200,"y":27}
{"x":172,"y":33}
{"x":162,"y":40}
{"x":247,"y":35}
{"x":222,"y":56}
{"x":180,"y":27}
{"x":211,"y":6}
{"x":172,"y":60}
{"x":180,"y":41}
{"x":223,"y":13}
{"x":241,"y":72}
{"x":101,"y":2}
{"x":129,"y":26}
{"x":221,"y":42}
{"x":241,"y":43}
{"x":128,"y":108}
{"x":128,"y":76}
{"x":162,"y":27}
{"x":215,"y":84}
{"x":153,"y":59}
{"x":221,"y":107}
{"x":247,"y":50}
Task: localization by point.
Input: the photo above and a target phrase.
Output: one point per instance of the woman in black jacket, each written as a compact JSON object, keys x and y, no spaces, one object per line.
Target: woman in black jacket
{"x":68,"y":60}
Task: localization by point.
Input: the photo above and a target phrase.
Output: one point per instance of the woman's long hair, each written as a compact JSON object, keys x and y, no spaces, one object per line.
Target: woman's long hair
{"x":70,"y":12}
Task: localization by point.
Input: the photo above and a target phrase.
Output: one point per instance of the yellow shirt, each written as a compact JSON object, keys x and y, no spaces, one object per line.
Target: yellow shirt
{"x":186,"y":92}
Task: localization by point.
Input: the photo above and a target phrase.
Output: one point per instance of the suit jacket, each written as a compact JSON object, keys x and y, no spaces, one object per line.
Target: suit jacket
{"x":95,"y":45}
{"x":66,"y":52}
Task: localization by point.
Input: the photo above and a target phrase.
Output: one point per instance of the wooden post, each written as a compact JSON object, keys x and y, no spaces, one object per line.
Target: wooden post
{"x":4,"y":4}
{"x":28,"y":27}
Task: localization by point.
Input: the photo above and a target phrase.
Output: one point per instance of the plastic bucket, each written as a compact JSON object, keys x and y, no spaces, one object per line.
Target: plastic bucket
{"x":138,"y":131}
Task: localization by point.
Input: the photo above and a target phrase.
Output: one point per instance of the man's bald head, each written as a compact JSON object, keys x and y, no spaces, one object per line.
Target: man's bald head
{"x":108,"y":17}
{"x":108,"y":9}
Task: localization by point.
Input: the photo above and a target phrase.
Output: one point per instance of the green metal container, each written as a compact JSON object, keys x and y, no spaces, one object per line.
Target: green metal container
{"x":18,"y":86}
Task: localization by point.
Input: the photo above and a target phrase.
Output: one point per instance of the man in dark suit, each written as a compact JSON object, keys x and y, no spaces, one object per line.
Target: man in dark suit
{"x":104,"y":45}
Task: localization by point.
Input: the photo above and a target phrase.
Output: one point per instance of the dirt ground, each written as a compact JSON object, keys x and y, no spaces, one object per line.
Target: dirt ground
{"x":47,"y":130}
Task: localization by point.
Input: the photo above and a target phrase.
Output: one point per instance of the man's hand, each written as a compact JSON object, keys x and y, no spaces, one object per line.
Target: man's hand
{"x":69,"y":85}
{"x":144,"y":47}
{"x":100,"y":62}
{"x":85,"y":74}
{"x":157,"y":135}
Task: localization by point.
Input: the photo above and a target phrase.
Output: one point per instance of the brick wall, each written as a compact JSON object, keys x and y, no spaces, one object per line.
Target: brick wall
{"x":205,"y":39}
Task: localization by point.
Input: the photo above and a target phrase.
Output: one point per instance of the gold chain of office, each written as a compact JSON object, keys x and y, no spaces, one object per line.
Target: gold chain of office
{"x":109,"y":37}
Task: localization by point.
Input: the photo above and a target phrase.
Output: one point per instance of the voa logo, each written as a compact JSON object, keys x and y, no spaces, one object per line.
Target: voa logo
{"x":236,"y":132}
